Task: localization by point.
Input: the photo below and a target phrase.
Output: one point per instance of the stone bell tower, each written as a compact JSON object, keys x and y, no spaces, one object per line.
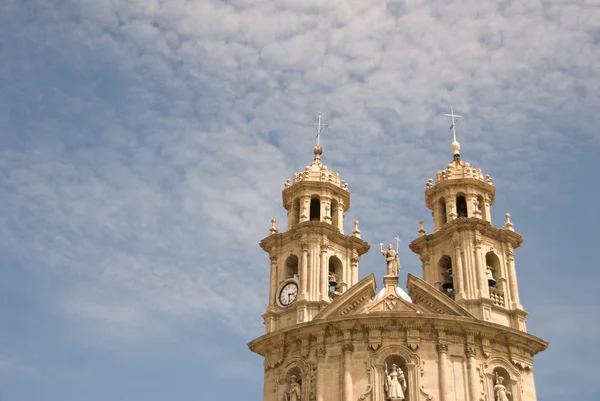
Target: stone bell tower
{"x":466,"y":257}
{"x":312,"y":261}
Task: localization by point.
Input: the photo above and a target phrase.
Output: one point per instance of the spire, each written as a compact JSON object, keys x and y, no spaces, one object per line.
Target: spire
{"x":454,"y":119}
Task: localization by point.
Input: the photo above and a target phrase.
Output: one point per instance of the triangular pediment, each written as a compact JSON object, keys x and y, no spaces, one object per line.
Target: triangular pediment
{"x":429,"y":299}
{"x":353,"y":301}
{"x":391,"y":302}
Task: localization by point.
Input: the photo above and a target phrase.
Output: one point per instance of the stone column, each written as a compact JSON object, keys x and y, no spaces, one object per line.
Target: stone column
{"x":321,"y":352}
{"x":442,"y":350}
{"x":326,"y":209}
{"x":273,"y":285}
{"x":347,"y":349}
{"x":472,"y":372}
{"x":304,"y":208}
{"x":484,"y":290}
{"x":340,"y":217}
{"x":304,"y":270}
{"x":512,"y":277}
{"x":324,"y":273}
{"x":425,"y":259}
{"x":354,"y":270}
{"x":459,"y":282}
{"x":451,"y":209}
{"x":486,"y":208}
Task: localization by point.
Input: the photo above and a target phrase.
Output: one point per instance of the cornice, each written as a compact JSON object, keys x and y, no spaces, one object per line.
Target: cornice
{"x":319,"y":227}
{"x":379,"y":322}
{"x":471,"y":224}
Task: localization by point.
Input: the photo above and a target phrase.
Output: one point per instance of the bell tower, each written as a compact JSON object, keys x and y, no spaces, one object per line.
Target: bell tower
{"x":466,"y":257}
{"x":312,"y":261}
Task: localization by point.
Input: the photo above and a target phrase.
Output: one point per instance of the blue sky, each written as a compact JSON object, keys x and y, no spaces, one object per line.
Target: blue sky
{"x":144,"y":145}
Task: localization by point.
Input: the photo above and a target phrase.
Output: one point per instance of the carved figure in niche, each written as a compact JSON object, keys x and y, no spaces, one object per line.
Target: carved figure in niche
{"x":393,"y":262}
{"x":395,"y":383}
{"x":500,"y":390}
{"x":294,"y":392}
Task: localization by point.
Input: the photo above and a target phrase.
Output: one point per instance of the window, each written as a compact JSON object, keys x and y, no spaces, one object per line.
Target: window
{"x":315,"y":209}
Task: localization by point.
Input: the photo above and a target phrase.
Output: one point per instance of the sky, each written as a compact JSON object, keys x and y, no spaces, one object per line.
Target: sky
{"x":144,"y":146}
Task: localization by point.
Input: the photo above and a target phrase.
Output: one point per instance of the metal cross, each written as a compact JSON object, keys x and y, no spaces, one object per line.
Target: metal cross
{"x":319,"y":126}
{"x":397,"y":243}
{"x":454,"y":118}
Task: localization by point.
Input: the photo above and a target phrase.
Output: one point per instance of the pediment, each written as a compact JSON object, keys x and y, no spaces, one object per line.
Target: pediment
{"x":429,"y":299}
{"x":391,"y":303}
{"x":353,"y":301}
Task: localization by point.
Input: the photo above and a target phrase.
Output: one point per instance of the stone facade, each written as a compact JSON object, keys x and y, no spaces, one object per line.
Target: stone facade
{"x":458,"y":335}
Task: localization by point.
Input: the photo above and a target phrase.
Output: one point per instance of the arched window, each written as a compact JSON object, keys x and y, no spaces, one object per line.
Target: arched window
{"x":493,"y":273}
{"x":291,"y":267}
{"x":446,"y":274}
{"x":315,"y":209}
{"x":335,"y":272}
{"x":502,"y":383}
{"x":397,"y":382}
{"x":442,"y":211}
{"x":461,"y":206}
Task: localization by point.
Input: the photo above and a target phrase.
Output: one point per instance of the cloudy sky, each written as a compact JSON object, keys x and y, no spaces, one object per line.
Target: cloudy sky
{"x":144,"y":145}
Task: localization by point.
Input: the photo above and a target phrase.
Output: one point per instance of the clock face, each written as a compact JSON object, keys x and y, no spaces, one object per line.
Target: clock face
{"x":288,"y":293}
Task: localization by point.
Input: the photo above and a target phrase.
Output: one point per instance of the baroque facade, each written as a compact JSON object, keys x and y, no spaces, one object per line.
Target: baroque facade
{"x":458,"y":334}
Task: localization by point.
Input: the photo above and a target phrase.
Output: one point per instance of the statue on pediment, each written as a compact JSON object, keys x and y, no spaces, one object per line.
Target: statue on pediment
{"x":392,"y":259}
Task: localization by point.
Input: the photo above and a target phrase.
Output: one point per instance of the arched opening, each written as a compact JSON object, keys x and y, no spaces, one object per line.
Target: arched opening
{"x":395,"y":384}
{"x":493,"y":274}
{"x":461,"y":206}
{"x":447,"y":277}
{"x":334,"y":213}
{"x":442,"y":211}
{"x":481,"y":207}
{"x":315,"y":209}
{"x":296,"y":211}
{"x":291,"y":267}
{"x":502,"y":384}
{"x":335,"y":273}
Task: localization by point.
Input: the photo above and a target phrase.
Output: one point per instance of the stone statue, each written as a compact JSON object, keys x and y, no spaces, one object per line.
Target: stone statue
{"x":393,"y":262}
{"x":500,"y":390}
{"x":395,"y":384}
{"x":294,"y":392}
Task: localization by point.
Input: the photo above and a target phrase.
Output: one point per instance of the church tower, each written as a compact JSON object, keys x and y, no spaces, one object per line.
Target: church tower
{"x":466,"y":257}
{"x":458,"y":334}
{"x":312,"y":261}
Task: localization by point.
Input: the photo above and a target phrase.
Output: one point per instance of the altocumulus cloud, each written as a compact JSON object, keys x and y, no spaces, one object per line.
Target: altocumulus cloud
{"x":145,"y":143}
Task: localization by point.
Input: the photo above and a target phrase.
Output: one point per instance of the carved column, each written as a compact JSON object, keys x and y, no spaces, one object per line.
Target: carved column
{"x":326,"y":209}
{"x":324,"y":272}
{"x":273,"y":285}
{"x":304,"y":270}
{"x":484,"y":291}
{"x":459,"y":281}
{"x":442,"y":350}
{"x":340,"y":217}
{"x":304,"y":208}
{"x":347,"y":349}
{"x":321,"y":352}
{"x":472,"y":369}
{"x":486,"y":208}
{"x":512,"y":277}
{"x":451,"y":208}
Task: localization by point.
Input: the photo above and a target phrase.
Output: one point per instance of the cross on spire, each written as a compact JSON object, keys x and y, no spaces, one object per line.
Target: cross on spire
{"x":397,"y":243}
{"x":319,"y":126}
{"x":454,"y":118}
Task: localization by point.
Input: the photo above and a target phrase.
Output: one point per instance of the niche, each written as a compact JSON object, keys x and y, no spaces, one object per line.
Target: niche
{"x":502,"y":383}
{"x":315,"y":209}
{"x":395,"y":380}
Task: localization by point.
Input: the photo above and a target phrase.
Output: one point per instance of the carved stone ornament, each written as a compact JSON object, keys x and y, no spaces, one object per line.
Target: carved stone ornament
{"x":470,"y":351}
{"x":321,"y":352}
{"x":442,"y":348}
{"x":347,"y":347}
{"x":456,"y":241}
{"x":413,"y":338}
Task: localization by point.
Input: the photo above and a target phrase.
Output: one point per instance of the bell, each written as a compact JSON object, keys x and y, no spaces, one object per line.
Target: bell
{"x":491,"y":281}
{"x":490,"y":277}
{"x":448,"y":284}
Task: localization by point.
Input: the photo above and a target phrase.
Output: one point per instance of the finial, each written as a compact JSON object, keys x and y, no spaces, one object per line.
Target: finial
{"x":421,"y":229}
{"x":429,"y":183}
{"x":287,"y":183}
{"x":356,"y":231}
{"x":489,"y":179}
{"x":508,"y":225}
{"x":454,"y":119}
{"x":273,"y":230}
